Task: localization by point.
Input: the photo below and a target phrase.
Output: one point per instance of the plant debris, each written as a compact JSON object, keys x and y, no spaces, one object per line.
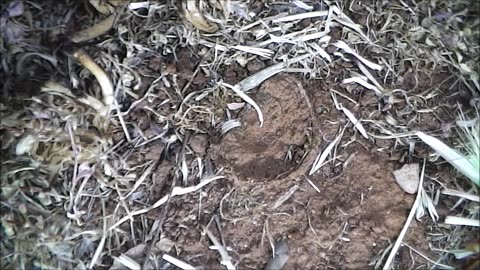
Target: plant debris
{"x":118,"y":120}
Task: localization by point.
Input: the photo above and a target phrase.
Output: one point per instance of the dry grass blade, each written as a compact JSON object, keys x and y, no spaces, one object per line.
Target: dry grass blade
{"x":321,"y":52}
{"x":356,"y":123}
{"x":105,"y":7}
{"x":226,"y":259}
{"x":256,"y":79}
{"x":285,"y":197}
{"x":142,"y":178}
{"x":229,"y":125}
{"x":313,"y":185}
{"x":302,"y":5}
{"x":442,"y":266}
{"x":177,"y":262}
{"x":350,"y":116}
{"x":462,"y":221}
{"x":98,"y":252}
{"x":468,"y":196}
{"x":258,"y":51}
{"x":398,"y":242}
{"x":363,"y":83}
{"x":248,"y":100}
{"x":426,"y":203}
{"x":343,"y":19}
{"x":176,"y":191}
{"x":301,"y":16}
{"x":320,"y":160}
{"x":460,"y":162}
{"x":342,"y":45}
{"x":370,"y":77}
{"x":127,"y":262}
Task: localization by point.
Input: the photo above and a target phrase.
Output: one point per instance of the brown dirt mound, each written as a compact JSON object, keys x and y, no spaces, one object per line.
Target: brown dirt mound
{"x":260,"y":152}
{"x":358,"y":211}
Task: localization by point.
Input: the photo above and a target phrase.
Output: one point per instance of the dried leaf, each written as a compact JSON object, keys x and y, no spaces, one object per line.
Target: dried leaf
{"x":194,"y":15}
{"x":15,"y":8}
{"x":26,"y":144}
{"x":285,"y":197}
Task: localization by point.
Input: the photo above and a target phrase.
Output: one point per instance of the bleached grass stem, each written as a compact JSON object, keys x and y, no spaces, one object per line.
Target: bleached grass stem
{"x":411,"y":215}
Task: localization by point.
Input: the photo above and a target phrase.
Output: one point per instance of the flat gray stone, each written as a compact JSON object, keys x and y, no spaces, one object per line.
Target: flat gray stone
{"x":408,"y":177}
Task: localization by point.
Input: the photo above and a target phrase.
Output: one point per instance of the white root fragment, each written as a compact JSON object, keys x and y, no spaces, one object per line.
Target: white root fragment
{"x":102,"y":77}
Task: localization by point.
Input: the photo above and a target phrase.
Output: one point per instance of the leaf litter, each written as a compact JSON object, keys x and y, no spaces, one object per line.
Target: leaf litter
{"x":81,"y":142}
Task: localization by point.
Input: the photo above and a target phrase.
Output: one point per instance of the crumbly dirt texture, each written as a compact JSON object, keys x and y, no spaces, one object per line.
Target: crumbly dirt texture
{"x":260,"y":152}
{"x":358,"y":211}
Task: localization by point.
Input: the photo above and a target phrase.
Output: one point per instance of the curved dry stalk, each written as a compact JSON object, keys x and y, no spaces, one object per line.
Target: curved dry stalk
{"x":94,"y":31}
{"x":102,"y":77}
